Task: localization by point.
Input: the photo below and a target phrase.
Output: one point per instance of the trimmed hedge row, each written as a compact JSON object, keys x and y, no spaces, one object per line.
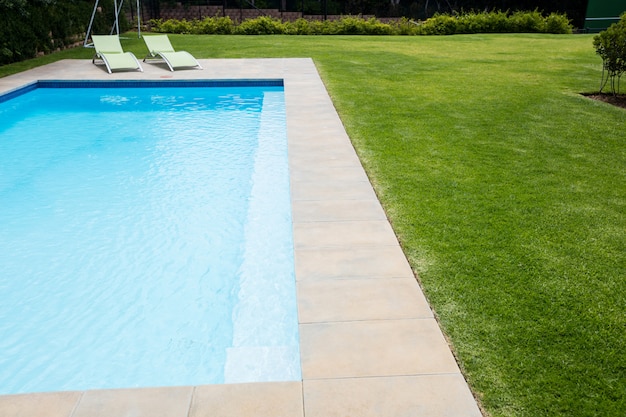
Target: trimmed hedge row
{"x":497,"y":22}
{"x":443,"y":24}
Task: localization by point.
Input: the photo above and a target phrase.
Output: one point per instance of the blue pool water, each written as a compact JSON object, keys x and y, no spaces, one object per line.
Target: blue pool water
{"x":145,"y":238}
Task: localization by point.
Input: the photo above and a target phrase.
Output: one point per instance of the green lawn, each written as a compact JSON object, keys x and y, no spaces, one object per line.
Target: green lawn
{"x":507,"y":190}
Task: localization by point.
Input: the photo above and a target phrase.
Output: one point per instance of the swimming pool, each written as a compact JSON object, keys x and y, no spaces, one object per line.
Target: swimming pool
{"x":146,"y":236}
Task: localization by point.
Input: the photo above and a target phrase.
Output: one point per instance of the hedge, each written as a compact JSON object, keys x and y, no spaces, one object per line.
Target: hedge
{"x":441,"y":24}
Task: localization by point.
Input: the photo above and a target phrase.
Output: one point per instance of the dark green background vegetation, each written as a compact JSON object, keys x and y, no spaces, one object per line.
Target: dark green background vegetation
{"x":28,"y":28}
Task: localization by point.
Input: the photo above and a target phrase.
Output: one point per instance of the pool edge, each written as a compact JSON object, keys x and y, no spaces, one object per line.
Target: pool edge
{"x":333,"y":242}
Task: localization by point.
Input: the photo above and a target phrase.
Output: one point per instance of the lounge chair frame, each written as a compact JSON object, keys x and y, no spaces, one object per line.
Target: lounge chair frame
{"x":166,"y":53}
{"x":115,"y":52}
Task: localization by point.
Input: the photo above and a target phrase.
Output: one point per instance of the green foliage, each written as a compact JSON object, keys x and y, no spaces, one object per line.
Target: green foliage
{"x":17,"y":42}
{"x":558,"y":23}
{"x":404,"y":26}
{"x":301,"y":27}
{"x":495,"y":22}
{"x":322,"y":27}
{"x":215,"y":26}
{"x":528,"y":22}
{"x":43,"y":26}
{"x":263,"y":25}
{"x":440,"y":24}
{"x":12,"y":4}
{"x":611,"y":46}
{"x":175,"y":26}
{"x":352,"y":25}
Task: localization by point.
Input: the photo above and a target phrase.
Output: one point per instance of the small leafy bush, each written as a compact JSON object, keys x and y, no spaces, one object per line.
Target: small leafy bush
{"x":440,"y":24}
{"x":611,"y":46}
{"x":558,"y":24}
{"x":353,"y":25}
{"x":214,"y":26}
{"x":173,"y":26}
{"x":263,"y":25}
{"x":528,"y":22}
{"x":300,"y":27}
{"x":323,"y":27}
{"x":404,"y":26}
{"x":349,"y":25}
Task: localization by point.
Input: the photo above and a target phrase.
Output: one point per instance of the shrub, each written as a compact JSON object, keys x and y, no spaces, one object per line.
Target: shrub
{"x":495,"y":22}
{"x":558,"y":24}
{"x":353,"y":25}
{"x":611,"y":46}
{"x":172,"y":26}
{"x":323,"y":27}
{"x":300,"y":27}
{"x":213,"y":26}
{"x":440,"y":24}
{"x":528,"y":22}
{"x":263,"y":25}
{"x":404,"y":26}
{"x":41,"y":26}
{"x":492,"y":22}
{"x":349,"y":25}
{"x":376,"y":27}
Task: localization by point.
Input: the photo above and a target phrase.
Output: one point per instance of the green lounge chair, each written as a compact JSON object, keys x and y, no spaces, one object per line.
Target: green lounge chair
{"x":159,"y":47}
{"x":109,"y":50}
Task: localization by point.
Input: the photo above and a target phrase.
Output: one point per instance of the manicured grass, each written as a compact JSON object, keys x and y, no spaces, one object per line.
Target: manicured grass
{"x":507,"y":190}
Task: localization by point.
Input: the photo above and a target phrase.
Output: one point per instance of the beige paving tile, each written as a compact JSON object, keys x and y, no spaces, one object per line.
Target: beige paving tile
{"x":360,"y":299}
{"x":322,"y":173}
{"x":336,"y":210}
{"x":341,"y":263}
{"x":346,"y":234}
{"x":322,"y":142}
{"x":323,"y":159}
{"x":326,"y":160}
{"x":333,"y":190}
{"x":276,"y":399}
{"x":374,"y":348}
{"x":53,"y":404}
{"x":323,"y":127}
{"x":330,"y":157}
{"x":143,"y":402}
{"x":314,"y":118}
{"x":407,"y":396}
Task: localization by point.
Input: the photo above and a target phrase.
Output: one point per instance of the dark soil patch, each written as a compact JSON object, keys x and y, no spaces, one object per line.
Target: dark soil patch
{"x":617,"y":100}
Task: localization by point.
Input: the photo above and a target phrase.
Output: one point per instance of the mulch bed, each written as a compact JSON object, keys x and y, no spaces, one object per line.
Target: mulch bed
{"x":617,"y":100}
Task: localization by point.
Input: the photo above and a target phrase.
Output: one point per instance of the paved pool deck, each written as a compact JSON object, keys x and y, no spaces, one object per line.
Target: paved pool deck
{"x":369,"y":344}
